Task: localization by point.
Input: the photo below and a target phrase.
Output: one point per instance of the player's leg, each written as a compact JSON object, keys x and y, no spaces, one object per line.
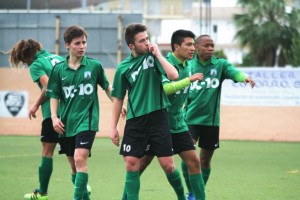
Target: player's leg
{"x":161,"y":144}
{"x":83,"y":145}
{"x":86,"y":194}
{"x":209,"y":142}
{"x":46,"y":166}
{"x":192,"y":161}
{"x":73,"y":168}
{"x":144,"y":162}
{"x":173,"y":176}
{"x":67,"y":147}
{"x":45,"y":171}
{"x":185,"y":173}
{"x":184,"y":146}
{"x":49,"y":139}
{"x":133,"y":148}
{"x":132,"y":182}
{"x":194,"y":134}
{"x":205,"y":157}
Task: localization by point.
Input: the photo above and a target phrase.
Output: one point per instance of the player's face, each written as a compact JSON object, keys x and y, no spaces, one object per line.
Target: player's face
{"x":186,"y":49}
{"x":141,"y":44}
{"x":205,"y":48}
{"x":77,"y":46}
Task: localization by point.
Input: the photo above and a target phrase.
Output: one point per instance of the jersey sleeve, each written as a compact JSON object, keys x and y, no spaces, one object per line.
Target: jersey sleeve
{"x":119,"y":85}
{"x":54,"y":85}
{"x":36,"y":71}
{"x":165,"y":79}
{"x":175,"y":86}
{"x":241,"y":76}
{"x":231,"y":72}
{"x":102,"y":78}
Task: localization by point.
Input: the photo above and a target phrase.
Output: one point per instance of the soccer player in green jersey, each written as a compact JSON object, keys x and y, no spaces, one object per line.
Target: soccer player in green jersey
{"x":30,"y":53}
{"x":147,"y":122}
{"x":203,"y":104}
{"x":74,"y":83}
{"x":182,"y":44}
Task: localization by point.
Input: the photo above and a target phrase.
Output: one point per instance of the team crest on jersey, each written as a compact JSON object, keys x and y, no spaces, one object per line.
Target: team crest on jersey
{"x":87,"y":75}
{"x":213,"y":72}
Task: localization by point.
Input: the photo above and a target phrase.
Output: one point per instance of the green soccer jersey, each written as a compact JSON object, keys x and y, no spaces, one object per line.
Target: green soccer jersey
{"x":42,"y":65}
{"x":77,"y":90}
{"x":142,"y":77}
{"x":203,"y":104}
{"x":177,"y":100}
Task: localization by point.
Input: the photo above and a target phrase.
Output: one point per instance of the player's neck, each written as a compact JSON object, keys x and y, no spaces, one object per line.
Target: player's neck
{"x":74,"y":62}
{"x":180,"y":58}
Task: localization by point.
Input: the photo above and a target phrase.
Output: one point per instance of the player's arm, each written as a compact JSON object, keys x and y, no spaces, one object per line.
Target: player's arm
{"x":116,"y":111}
{"x":172,"y":87}
{"x":242,"y":77}
{"x":236,"y":75}
{"x":108,"y":91}
{"x":170,"y":70}
{"x":41,"y":98}
{"x":57,"y":123}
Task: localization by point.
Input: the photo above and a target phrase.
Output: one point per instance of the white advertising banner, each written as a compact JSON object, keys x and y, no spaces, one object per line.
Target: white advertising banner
{"x":274,"y":87}
{"x":13,"y":103}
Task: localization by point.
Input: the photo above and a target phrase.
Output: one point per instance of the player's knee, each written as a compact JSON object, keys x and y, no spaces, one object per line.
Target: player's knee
{"x":132,"y":164}
{"x":205,"y":163}
{"x":168,"y":167}
{"x":193,"y":166}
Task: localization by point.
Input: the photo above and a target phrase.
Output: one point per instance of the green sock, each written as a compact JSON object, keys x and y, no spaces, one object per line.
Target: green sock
{"x":45,"y":171}
{"x":86,"y":195}
{"x":73,"y":177}
{"x":205,"y":174}
{"x":80,"y":185}
{"x":124,"y":195}
{"x":198,"y":186}
{"x":132,"y":185}
{"x":185,"y":174}
{"x":175,"y":180}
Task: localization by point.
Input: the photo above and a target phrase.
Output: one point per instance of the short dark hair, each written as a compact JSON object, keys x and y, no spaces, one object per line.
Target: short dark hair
{"x":73,"y":32}
{"x":131,"y":30}
{"x":178,"y":37}
{"x":201,"y":36}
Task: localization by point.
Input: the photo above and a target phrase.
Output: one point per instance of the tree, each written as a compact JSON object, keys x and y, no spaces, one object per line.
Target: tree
{"x":269,"y":30}
{"x":220,"y":54}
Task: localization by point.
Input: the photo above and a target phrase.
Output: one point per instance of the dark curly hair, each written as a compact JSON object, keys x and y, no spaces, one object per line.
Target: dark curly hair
{"x":23,"y":53}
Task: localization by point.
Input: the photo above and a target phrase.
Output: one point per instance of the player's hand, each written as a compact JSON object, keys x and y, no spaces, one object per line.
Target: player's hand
{"x":153,"y":48}
{"x":196,"y":77}
{"x":249,"y":80}
{"x":32,"y":111}
{"x":114,"y":136}
{"x":58,"y":126}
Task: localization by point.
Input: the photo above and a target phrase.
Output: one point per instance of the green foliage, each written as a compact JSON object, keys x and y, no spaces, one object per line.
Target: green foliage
{"x":220,"y":54}
{"x":268,"y":31}
{"x":240,"y":170}
{"x":248,"y":61}
{"x":294,"y":55}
